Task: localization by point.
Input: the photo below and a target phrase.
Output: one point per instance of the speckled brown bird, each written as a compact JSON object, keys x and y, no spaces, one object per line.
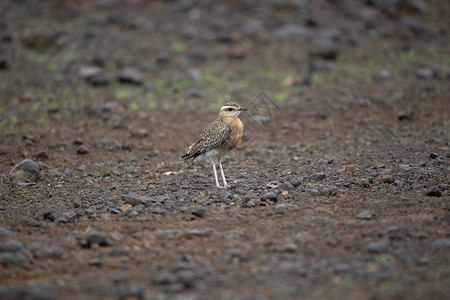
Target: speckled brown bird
{"x":218,"y":138}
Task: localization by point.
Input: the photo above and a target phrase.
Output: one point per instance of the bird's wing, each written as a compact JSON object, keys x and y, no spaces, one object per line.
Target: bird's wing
{"x":212,"y":137}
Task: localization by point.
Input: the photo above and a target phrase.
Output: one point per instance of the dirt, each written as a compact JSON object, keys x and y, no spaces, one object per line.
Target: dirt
{"x":339,"y":188}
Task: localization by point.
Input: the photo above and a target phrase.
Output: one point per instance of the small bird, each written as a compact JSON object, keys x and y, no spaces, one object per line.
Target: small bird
{"x":218,"y":138}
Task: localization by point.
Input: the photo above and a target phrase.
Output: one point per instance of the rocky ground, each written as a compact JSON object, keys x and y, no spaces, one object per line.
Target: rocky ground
{"x":339,"y":188}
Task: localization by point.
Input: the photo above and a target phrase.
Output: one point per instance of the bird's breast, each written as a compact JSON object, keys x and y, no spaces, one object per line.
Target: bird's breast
{"x":236,"y":131}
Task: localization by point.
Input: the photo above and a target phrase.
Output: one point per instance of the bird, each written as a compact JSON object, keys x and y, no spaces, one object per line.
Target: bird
{"x":218,"y":138}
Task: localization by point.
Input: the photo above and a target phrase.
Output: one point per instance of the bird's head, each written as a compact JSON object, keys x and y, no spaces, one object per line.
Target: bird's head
{"x":231,"y":109}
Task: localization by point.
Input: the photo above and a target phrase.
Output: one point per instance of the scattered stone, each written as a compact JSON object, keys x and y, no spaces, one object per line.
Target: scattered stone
{"x":25,"y":171}
{"x":42,"y":251}
{"x":93,"y":238}
{"x":290,"y":31}
{"x":99,"y":80}
{"x":434,"y":155}
{"x":349,"y":169}
{"x":406,"y":114}
{"x":187,"y":277}
{"x":78,"y":141}
{"x":296,"y":182}
{"x":109,"y":144}
{"x":381,"y":75}
{"x":238,"y":253}
{"x":198,"y":211}
{"x":387,"y":179}
{"x":333,"y":240}
{"x":158,"y":211}
{"x":364,"y":182}
{"x":11,"y":246}
{"x":250,"y":203}
{"x":271,"y":196}
{"x":365,"y":215}
{"x":433,"y":191}
{"x":4,"y":232}
{"x":38,"y":40}
{"x":194,"y":74}
{"x":12,"y":253}
{"x":323,"y":46}
{"x":134,"y":199}
{"x":317,"y":176}
{"x":441,"y":243}
{"x":96,"y":262}
{"x":82,"y":149}
{"x":194,"y":92}
{"x":203,"y":232}
{"x":29,"y":290}
{"x":41,"y":155}
{"x":162,"y":58}
{"x":415,"y":26}
{"x":378,"y":246}
{"x":425,"y":73}
{"x":49,"y":215}
{"x":164,"y":278}
{"x":87,"y":72}
{"x":313,"y":192}
{"x":131,"y":75}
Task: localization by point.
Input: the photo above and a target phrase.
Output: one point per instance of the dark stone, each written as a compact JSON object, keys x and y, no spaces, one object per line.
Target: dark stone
{"x":415,"y":26}
{"x":271,"y":196}
{"x":317,"y":176}
{"x":158,"y":210}
{"x":25,"y":171}
{"x":187,"y":277}
{"x":131,"y":75}
{"x":323,"y":46}
{"x":387,"y":179}
{"x":381,"y":75}
{"x":49,"y":215}
{"x":425,"y":73}
{"x":11,"y":246}
{"x":134,"y":199}
{"x":240,"y":254}
{"x":92,"y":238}
{"x":365,"y":215}
{"x":41,"y":155}
{"x":378,"y":246}
{"x":198,"y":211}
{"x":434,"y":155}
{"x":29,"y":290}
{"x":441,"y":243}
{"x":109,"y":144}
{"x":82,"y":149}
{"x":433,"y":191}
{"x":406,"y":114}
{"x":164,"y":278}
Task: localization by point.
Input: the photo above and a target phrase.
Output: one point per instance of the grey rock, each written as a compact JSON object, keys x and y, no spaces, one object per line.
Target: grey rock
{"x":271,"y":196}
{"x":194,"y":74}
{"x":313,"y":192}
{"x":406,"y":114}
{"x":29,"y":290}
{"x":381,"y":75}
{"x":94,"y":238}
{"x":433,"y":191}
{"x":41,"y":155}
{"x":4,"y":232}
{"x":425,"y":73}
{"x":131,"y":75}
{"x":290,"y":31}
{"x":323,"y":46}
{"x":333,"y":240}
{"x":193,"y":92}
{"x":378,"y":246}
{"x":321,"y":65}
{"x":87,"y":72}
{"x":158,"y":210}
{"x":441,"y":243}
{"x":415,"y":26}
{"x":317,"y":176}
{"x":25,"y":171}
{"x":134,"y":199}
{"x":203,"y":232}
{"x":49,"y":215}
{"x":296,"y":182}
{"x":365,"y":215}
{"x":238,"y":253}
{"x":164,"y":278}
{"x":97,"y":262}
{"x":42,"y":251}
{"x":434,"y":155}
{"x":286,"y":186}
{"x":109,"y":144}
{"x":99,"y":80}
{"x":387,"y":179}
{"x":187,"y":277}
{"x":364,"y":182}
{"x":250,"y":203}
{"x":198,"y":211}
{"x":11,"y":246}
{"x":82,"y":149}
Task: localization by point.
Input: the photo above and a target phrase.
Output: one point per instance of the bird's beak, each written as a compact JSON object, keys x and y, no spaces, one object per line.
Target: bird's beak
{"x":242,"y":108}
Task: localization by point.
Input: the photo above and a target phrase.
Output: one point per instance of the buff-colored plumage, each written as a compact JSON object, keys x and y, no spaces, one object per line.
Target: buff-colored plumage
{"x":219,"y":137}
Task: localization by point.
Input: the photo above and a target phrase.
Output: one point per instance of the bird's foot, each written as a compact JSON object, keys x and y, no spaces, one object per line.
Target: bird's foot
{"x":223,"y":187}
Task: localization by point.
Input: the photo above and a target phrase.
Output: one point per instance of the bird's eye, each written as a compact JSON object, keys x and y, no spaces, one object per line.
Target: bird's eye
{"x":230,"y":109}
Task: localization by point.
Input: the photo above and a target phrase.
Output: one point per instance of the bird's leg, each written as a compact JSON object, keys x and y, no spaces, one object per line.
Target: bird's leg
{"x":215,"y":174}
{"x":223,"y":175}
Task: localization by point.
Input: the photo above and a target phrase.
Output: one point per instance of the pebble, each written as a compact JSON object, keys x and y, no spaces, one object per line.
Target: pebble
{"x":41,"y":155}
{"x":317,"y":176}
{"x":163,"y":278}
{"x":49,"y":215}
{"x":296,"y":182}
{"x":365,"y":215}
{"x":82,"y":149}
{"x":13,"y":252}
{"x":130,"y":75}
{"x":406,"y":114}
{"x":381,"y":75}
{"x":134,"y":199}
{"x":94,"y":238}
{"x":4,"y":232}
{"x":250,"y":203}
{"x":270,"y":196}
{"x":238,"y":253}
{"x":364,"y":182}
{"x":187,"y":277}
{"x":29,"y":290}
{"x":434,"y":155}
{"x":25,"y":171}
{"x":97,"y":262}
{"x":378,"y":246}
{"x":441,"y":243}
{"x":158,"y":210}
{"x":323,"y":46}
{"x":290,"y":31}
{"x":313,"y":192}
{"x":198,"y":211}
{"x":387,"y":179}
{"x":11,"y":246}
{"x":109,"y":144}
{"x":415,"y":26}
{"x":333,"y":240}
{"x":433,"y":191}
{"x":425,"y":73}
